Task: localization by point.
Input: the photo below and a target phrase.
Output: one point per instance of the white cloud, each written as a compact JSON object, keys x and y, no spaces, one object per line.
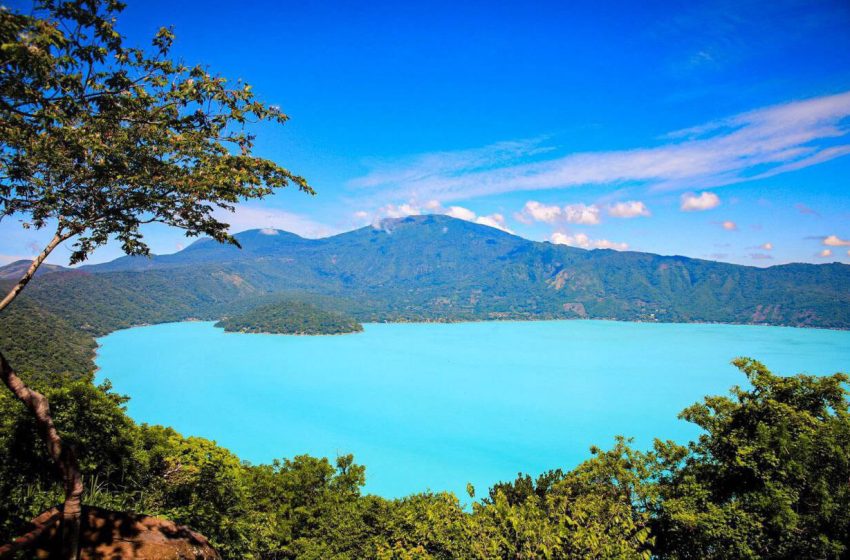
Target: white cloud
{"x":400,"y":210}
{"x":766,"y":246}
{"x":269,"y":231}
{"x":534,"y":211}
{"x":393,"y":211}
{"x":605,"y":244}
{"x":582,"y":214}
{"x":628,"y":209}
{"x":461,"y":213}
{"x":559,"y":238}
{"x":835,"y":241}
{"x":691,"y":202}
{"x":434,"y":207}
{"x":361,"y":215}
{"x":585,"y":242}
{"x":825,"y":253}
{"x":253,"y":217}
{"x":743,"y":147}
{"x":729,"y":225}
{"x":493,"y":220}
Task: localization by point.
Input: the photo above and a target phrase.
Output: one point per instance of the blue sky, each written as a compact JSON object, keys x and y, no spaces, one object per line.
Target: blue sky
{"x":715,"y":129}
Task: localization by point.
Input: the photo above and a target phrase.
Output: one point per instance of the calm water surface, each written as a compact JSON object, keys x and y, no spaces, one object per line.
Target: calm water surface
{"x":434,"y":406}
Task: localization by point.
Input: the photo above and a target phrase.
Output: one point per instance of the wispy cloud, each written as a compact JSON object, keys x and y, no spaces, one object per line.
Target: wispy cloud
{"x":803,"y":209}
{"x":6,"y":259}
{"x":747,"y":146}
{"x":761,"y":256}
{"x":423,"y":168}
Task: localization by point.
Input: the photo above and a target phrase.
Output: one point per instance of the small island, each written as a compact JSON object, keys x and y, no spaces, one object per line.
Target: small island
{"x":290,"y":317}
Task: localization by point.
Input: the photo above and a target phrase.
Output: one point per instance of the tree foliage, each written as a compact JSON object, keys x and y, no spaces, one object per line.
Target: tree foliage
{"x":100,"y":138}
{"x":97,"y":139}
{"x":290,"y":317}
{"x":767,"y":479}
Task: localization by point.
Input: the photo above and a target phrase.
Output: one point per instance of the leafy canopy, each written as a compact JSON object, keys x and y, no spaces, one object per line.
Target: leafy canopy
{"x":101,"y":138}
{"x":768,"y":477}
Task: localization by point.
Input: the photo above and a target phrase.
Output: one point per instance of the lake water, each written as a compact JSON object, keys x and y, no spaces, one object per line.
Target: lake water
{"x":434,"y":406}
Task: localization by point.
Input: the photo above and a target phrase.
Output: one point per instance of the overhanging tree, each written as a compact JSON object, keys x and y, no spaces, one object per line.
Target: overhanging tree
{"x":98,"y":139}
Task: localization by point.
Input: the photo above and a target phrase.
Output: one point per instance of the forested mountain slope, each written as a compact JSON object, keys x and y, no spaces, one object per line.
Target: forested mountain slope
{"x":437,"y":267}
{"x":431,"y":268}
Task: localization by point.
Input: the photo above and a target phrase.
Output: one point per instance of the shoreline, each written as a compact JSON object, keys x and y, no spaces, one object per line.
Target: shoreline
{"x":459,"y":321}
{"x":472,"y":321}
{"x":281,"y":333}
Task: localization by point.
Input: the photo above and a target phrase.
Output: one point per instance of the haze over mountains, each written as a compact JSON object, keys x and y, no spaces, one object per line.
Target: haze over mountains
{"x":14,"y":270}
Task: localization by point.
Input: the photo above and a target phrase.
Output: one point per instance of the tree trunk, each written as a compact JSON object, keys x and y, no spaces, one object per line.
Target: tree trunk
{"x":63,"y":456}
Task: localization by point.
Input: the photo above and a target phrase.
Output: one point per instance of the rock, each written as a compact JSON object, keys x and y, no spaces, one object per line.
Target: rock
{"x":111,"y":535}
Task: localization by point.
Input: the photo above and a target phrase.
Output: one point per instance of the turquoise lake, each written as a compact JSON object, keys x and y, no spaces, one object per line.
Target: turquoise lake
{"x":434,"y":406}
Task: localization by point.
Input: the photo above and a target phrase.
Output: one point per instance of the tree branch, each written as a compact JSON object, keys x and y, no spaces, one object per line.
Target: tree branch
{"x":28,"y":275}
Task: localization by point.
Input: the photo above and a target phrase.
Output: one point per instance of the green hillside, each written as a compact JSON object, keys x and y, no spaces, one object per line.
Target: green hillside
{"x":422,"y":268}
{"x":289,"y":317}
{"x":439,"y":268}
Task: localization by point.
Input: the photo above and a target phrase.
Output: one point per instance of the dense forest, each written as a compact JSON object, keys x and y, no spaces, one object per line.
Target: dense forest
{"x":290,"y":317}
{"x":767,"y":479}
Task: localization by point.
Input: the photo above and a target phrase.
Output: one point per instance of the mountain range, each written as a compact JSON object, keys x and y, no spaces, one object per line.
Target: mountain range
{"x":425,"y":268}
{"x":440,"y":268}
{"x":16,"y":269}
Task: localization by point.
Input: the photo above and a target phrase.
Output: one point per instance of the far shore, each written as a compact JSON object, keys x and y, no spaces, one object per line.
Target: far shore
{"x":450,"y":321}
